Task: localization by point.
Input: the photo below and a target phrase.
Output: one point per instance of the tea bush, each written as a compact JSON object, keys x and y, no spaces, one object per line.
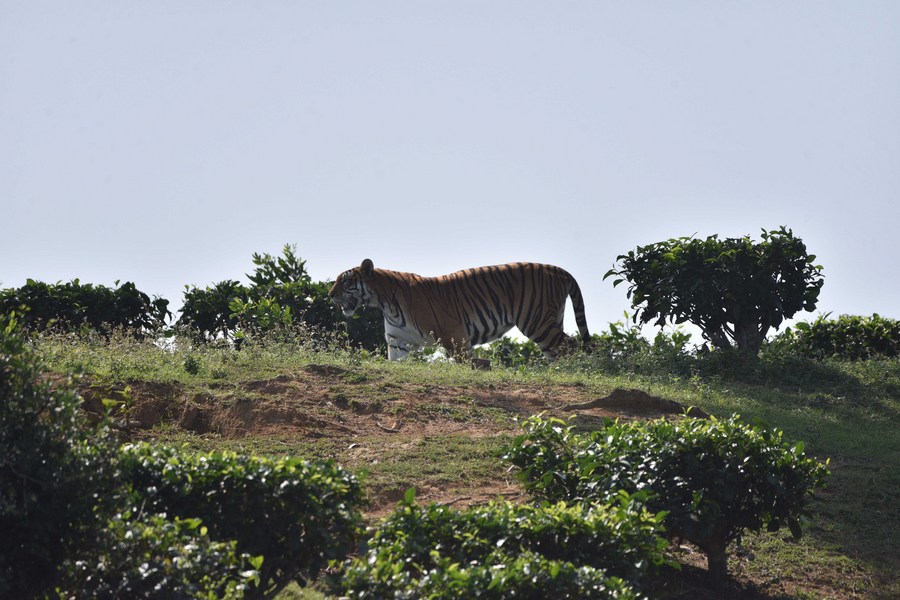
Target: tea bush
{"x":206,"y":312}
{"x":503,"y":550}
{"x":847,"y":337}
{"x":528,"y":576}
{"x":87,"y":519}
{"x":715,"y":478}
{"x":297,"y":514}
{"x":58,"y":485}
{"x":52,"y":471}
{"x":71,"y":306}
{"x":152,"y":556}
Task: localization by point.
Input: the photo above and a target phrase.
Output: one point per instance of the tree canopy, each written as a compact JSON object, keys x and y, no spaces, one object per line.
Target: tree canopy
{"x":733,"y":289}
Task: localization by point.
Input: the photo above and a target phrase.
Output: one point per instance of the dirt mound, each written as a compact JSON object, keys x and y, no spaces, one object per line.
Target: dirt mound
{"x":330,"y":401}
{"x":364,"y":418}
{"x":638,"y":402}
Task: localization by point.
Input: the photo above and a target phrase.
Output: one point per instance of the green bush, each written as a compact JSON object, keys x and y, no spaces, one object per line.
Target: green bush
{"x":206,"y":312}
{"x":284,"y":282}
{"x":624,"y":349}
{"x":847,"y":337}
{"x":528,"y":576}
{"x":82,"y":515}
{"x":503,"y":550}
{"x":298,"y":515}
{"x":281,"y":294}
{"x":733,"y":289}
{"x":151,"y":556}
{"x":261,"y":315}
{"x":71,"y":306}
{"x":54,"y":470}
{"x":714,"y":478}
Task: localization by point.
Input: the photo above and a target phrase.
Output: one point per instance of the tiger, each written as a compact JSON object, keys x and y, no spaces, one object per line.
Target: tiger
{"x":465,"y":308}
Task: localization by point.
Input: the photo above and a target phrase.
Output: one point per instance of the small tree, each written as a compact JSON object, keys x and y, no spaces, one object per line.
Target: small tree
{"x":281,"y":285}
{"x":735,"y":290}
{"x":275,"y":271}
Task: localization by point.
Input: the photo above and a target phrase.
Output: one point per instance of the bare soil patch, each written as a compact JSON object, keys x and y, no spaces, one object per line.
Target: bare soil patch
{"x":322,"y":400}
{"x":367,"y":418}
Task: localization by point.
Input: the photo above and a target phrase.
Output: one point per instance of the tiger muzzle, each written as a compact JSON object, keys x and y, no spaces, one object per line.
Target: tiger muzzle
{"x":347,"y":305}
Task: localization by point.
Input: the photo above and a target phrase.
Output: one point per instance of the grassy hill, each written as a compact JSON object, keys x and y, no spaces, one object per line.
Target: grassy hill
{"x":442,"y":428}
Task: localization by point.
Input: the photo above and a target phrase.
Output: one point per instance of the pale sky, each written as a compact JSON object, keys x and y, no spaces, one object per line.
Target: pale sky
{"x":164,"y":142}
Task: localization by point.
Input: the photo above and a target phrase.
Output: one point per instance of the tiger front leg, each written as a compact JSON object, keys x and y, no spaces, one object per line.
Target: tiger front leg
{"x":400,"y":341}
{"x":396,"y":349}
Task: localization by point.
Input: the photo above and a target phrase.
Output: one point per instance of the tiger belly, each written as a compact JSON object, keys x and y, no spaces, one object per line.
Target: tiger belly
{"x":485,"y":333}
{"x":402,"y":340}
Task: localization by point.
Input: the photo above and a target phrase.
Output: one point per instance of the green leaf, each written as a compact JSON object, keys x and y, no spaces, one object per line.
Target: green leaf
{"x":111,"y":403}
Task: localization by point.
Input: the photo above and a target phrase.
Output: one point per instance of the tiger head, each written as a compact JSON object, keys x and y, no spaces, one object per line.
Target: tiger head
{"x":350,"y":291}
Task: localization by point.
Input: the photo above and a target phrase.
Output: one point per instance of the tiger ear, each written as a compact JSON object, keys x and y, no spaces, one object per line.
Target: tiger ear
{"x":367,"y":267}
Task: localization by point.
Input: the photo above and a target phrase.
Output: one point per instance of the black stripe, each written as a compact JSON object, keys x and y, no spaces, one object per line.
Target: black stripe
{"x":533,"y":313}
{"x":480,"y":297}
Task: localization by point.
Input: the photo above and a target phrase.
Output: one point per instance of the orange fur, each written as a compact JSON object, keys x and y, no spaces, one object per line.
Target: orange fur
{"x":467,"y":307}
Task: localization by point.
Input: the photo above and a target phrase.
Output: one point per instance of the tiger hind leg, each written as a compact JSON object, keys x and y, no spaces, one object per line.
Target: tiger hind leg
{"x":550,"y":339}
{"x":457,"y":348}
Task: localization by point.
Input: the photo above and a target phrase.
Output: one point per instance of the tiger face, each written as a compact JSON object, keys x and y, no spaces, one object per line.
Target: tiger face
{"x":350,"y":291}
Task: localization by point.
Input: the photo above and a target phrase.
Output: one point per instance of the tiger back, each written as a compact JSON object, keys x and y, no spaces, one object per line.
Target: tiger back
{"x":465,"y":308}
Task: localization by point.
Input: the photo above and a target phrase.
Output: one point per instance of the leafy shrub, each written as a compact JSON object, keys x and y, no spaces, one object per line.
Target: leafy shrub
{"x":281,"y":294}
{"x":79,"y":513}
{"x":734,"y":290}
{"x":297,"y":514}
{"x":54,"y":470}
{"x":261,"y":315}
{"x":715,"y":478}
{"x":70,"y":306}
{"x":624,"y":349}
{"x":151,"y":556}
{"x":622,"y":341}
{"x":285,"y":283}
{"x":527,"y":575}
{"x":206,"y":312}
{"x":503,"y":550}
{"x":847,"y":337}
